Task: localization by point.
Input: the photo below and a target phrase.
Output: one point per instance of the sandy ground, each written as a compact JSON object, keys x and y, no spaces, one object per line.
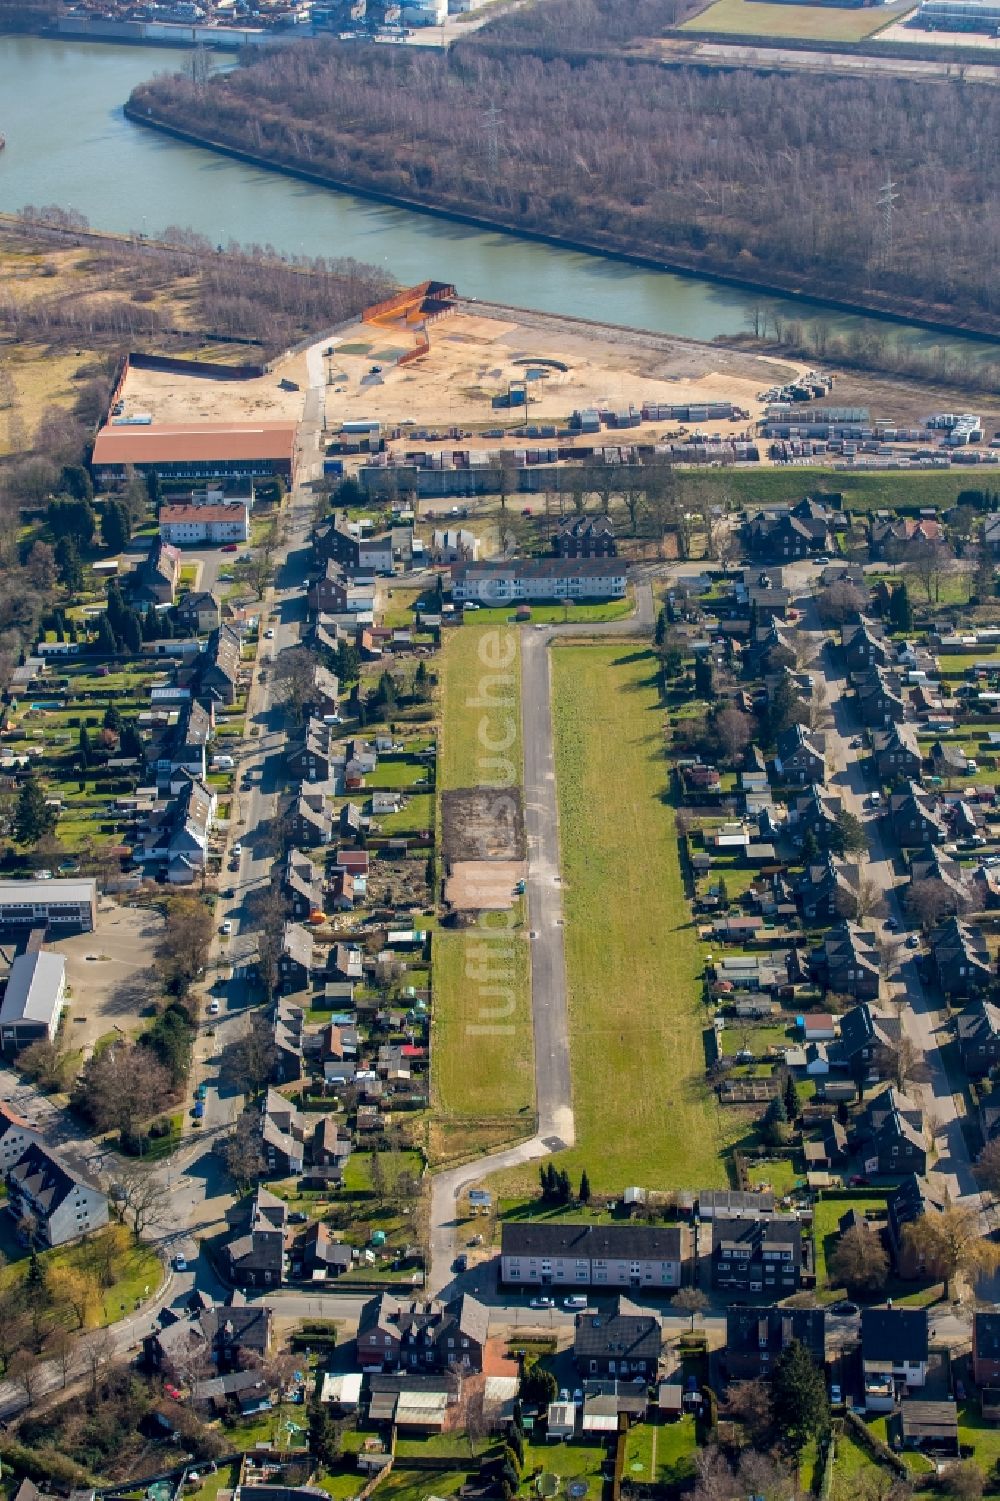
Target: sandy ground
{"x":472,"y":358}
{"x":484,"y":885}
{"x":177,"y":398}
{"x":101,"y":969}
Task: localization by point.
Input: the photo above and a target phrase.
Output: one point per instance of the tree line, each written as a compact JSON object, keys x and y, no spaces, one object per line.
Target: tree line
{"x":772,"y":178}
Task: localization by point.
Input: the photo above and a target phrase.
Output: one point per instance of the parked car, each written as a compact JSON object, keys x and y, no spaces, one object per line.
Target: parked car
{"x":835,"y":1394}
{"x":225,"y":928}
{"x":237,"y":848}
{"x":269,"y":633}
{"x":576,"y":1300}
{"x":461,"y":1263}
{"x":913,"y":942}
{"x":542,"y":1303}
{"x":845,"y":1309}
{"x":180,"y":1264}
{"x":214,"y":1008}
{"x":230,"y":547}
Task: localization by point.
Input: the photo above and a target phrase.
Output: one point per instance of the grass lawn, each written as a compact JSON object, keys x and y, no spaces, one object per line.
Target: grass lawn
{"x":661,"y":1454}
{"x":780,"y":1175}
{"x":391,"y":775}
{"x":479,"y":663}
{"x":822,"y":23}
{"x":850,"y":1464}
{"x":984,"y":1438}
{"x":827,"y":1214}
{"x":861,"y":491}
{"x":136,"y":1267}
{"x":482,"y":1054}
{"x":582,"y":611}
{"x":644,"y":1113}
{"x":416,"y":1485}
{"x":397,"y":613}
{"x":572,"y":1461}
{"x":417,"y":815}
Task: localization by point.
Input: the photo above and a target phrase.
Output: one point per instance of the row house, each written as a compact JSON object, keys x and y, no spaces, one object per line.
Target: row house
{"x":800,"y":755}
{"x":395,"y":1334}
{"x":827,"y":889}
{"x":257,"y":1254}
{"x":297,"y":959}
{"x":311,"y":820}
{"x":848,"y":961}
{"x":585,"y":537}
{"x":978,"y":1028}
{"x":537,"y":1254}
{"x":908,"y":1202}
{"x":623,"y":1340}
{"x":868,"y":1042}
{"x":217,"y":670}
{"x":894,"y":1354}
{"x":756,"y":1338}
{"x":961,"y":959}
{"x":311,"y":759}
{"x":879,"y":698}
{"x":915,"y":819}
{"x":889,"y":1135}
{"x":757,"y":1253}
{"x":897,"y":753}
{"x":890,"y":538}
{"x":864,"y":646}
{"x":302,"y":885}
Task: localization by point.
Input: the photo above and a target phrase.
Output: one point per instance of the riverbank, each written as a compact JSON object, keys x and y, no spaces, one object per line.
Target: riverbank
{"x":895,"y":311}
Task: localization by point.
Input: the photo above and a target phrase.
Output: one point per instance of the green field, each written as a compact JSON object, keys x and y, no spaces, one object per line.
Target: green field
{"x":819,"y":23}
{"x":862,"y":491}
{"x":644,"y":1113}
{"x":661,"y":1454}
{"x":482,"y":1054}
{"x":478,"y":663}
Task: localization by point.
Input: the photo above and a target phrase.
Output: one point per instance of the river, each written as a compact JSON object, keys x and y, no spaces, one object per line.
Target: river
{"x":68,"y":143}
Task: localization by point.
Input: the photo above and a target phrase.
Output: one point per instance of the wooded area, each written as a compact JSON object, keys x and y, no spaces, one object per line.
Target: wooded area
{"x":770,"y":178}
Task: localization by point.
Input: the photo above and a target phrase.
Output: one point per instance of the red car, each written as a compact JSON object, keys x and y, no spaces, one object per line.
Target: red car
{"x":172,"y":1391}
{"x":231,"y":547}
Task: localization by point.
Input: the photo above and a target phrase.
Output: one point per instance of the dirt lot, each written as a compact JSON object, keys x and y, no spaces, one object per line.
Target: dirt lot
{"x":175,"y":398}
{"x":483,"y":885}
{"x":483,"y":823}
{"x":104,"y":971}
{"x":474,"y":356}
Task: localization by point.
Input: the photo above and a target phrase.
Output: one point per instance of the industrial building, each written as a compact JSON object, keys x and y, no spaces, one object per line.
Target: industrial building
{"x":63,"y":904}
{"x":33,"y":1000}
{"x":959,"y":15}
{"x":195,"y":450}
{"x":549,"y":578}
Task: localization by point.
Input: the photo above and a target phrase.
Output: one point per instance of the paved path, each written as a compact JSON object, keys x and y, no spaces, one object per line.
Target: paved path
{"x":549,"y":1011}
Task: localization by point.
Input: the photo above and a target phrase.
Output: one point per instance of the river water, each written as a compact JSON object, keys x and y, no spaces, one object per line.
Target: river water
{"x":68,"y":143}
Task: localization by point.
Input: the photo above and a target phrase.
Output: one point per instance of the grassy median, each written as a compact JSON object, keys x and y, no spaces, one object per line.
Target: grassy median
{"x":644,"y":1113}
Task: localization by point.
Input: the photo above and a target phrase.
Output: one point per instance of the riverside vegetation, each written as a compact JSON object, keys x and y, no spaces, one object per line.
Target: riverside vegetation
{"x":774,"y":179}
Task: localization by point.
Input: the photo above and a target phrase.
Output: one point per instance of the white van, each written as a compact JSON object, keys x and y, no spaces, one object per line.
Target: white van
{"x":222,"y":763}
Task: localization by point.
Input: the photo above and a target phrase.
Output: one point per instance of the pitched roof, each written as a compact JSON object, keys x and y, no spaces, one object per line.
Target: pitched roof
{"x":624,"y":1330}
{"x":863,"y":1026}
{"x":894,"y":1334}
{"x":533,"y":1238}
{"x":47,"y":1178}
{"x":32,"y":988}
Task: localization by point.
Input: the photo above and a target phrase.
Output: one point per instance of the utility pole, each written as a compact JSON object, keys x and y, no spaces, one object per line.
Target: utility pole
{"x":491,"y":121}
{"x":887,"y":197}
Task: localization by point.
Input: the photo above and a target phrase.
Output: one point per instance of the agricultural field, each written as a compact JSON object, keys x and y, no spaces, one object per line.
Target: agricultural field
{"x":819,"y":23}
{"x":468,"y":675}
{"x":643,"y":1111}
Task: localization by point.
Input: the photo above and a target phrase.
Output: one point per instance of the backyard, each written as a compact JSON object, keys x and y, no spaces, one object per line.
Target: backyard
{"x":644,"y":1113}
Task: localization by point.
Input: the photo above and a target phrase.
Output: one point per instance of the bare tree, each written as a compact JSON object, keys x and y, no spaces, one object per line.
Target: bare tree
{"x":749,"y":1404}
{"x":690,"y":1300}
{"x":988,"y":1166}
{"x":295,"y":671}
{"x":929,"y":562}
{"x":249,"y":1062}
{"x":122,"y":1086}
{"x":25,"y":1371}
{"x":243,"y":1151}
{"x":98,"y":1355}
{"x":859,"y":1261}
{"x":143,"y":1197}
{"x":930,"y":900}
{"x":950,"y":1241}
{"x":61,"y":1350}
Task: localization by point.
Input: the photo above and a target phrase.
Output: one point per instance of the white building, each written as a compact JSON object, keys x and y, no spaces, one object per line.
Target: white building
{"x":545,"y":579}
{"x":68,"y":904}
{"x":33,"y":1001}
{"x":190,"y":525}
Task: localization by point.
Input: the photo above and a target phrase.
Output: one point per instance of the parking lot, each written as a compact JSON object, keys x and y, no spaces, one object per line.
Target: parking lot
{"x":109,"y":974}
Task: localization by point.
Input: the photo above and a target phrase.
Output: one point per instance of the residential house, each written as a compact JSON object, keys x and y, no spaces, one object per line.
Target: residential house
{"x":311,"y":819}
{"x":948,"y":759}
{"x":978,"y":1037}
{"x":525,"y":579}
{"x":311,"y":759}
{"x":334,"y":593}
{"x":348,"y":961}
{"x":931,"y":865}
{"x":218,"y":667}
{"x":539,"y":1254}
{"x":454,"y":544}
{"x":330,"y":1147}
{"x":623,"y":1340}
{"x":585,"y":537}
{"x":33,"y":1000}
{"x":915,"y":819}
{"x":889,"y":1135}
{"x":908,"y":1202}
{"x":864,"y":647}
{"x":230,"y":1335}
{"x":351,"y":823}
{"x":769,"y":650}
{"x":986,"y":1347}
{"x":848,"y":961}
{"x":177,"y":834}
{"x":156,"y":579}
{"x":989,"y":1112}
{"x":16,"y":1136}
{"x":422,"y":1335}
{"x":868,"y":1042}
{"x":892,"y":538}
{"x":897,"y":753}
{"x":44,"y":1192}
{"x":283,"y":1134}
{"x":191,"y":525}
{"x":302,"y":884}
{"x":756,"y":1338}
{"x":324,"y":692}
{"x":188,"y":749}
{"x":800,"y":755}
{"x":198,"y":612}
{"x":357,"y":553}
{"x":323,"y":1257}
{"x":757,"y":1253}
{"x":879,"y":698}
{"x":256,"y":1256}
{"x":289,"y":1029}
{"x":800,"y":532}
{"x":827,"y":889}
{"x":296,"y":962}
{"x":343,"y":893}
{"x":813,"y":812}
{"x":961,"y":959}
{"x":894,"y":1354}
